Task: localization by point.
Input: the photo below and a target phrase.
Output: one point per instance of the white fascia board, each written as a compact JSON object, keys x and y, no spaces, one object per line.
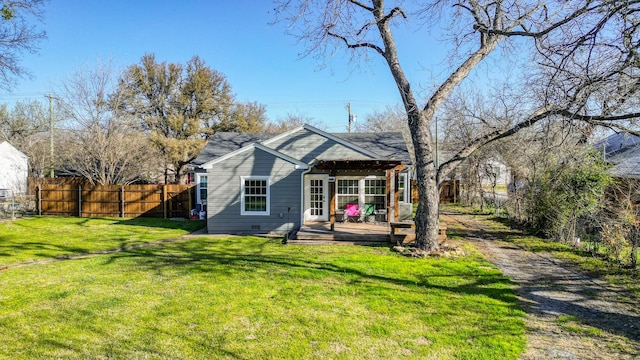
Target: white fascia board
{"x":343,"y":142}
{"x":299,"y":164}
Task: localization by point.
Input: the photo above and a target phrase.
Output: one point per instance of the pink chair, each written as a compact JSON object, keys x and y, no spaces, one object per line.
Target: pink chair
{"x":352,"y":212}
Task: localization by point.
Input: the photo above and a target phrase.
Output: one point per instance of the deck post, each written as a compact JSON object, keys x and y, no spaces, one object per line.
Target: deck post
{"x":332,"y":204}
{"x":389,"y":207}
{"x":396,"y":202}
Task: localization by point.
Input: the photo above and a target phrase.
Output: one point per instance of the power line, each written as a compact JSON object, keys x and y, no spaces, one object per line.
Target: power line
{"x":26,"y":95}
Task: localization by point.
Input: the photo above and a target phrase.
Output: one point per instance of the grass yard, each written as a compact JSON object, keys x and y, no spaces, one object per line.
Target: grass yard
{"x":251,"y":298}
{"x":41,"y":238}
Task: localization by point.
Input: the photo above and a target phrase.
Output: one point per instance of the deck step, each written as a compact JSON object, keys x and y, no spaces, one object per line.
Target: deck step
{"x":344,"y":237}
{"x":335,"y":242}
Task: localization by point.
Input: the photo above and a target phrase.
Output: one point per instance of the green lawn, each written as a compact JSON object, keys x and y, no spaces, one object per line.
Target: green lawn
{"x":41,"y":238}
{"x":252,"y":298}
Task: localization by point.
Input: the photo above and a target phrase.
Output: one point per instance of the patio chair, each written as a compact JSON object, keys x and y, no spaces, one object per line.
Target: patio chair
{"x":352,"y":212}
{"x":369,"y":213}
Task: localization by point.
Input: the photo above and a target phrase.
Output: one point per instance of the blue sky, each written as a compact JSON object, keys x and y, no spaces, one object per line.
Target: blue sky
{"x":260,"y":61}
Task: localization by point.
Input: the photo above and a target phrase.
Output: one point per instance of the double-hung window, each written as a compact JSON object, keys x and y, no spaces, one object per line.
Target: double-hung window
{"x":375,"y":192}
{"x":254,"y":199}
{"x":203,"y":189}
{"x":347,"y":193}
{"x":403,"y":188}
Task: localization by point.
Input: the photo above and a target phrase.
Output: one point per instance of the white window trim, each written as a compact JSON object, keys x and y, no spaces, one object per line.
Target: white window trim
{"x":260,"y":213}
{"x":361,"y":187}
{"x":199,"y":187}
{"x":407,"y":188}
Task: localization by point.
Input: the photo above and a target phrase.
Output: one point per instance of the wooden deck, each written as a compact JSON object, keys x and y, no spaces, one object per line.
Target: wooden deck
{"x":347,"y":232}
{"x":362,"y":233}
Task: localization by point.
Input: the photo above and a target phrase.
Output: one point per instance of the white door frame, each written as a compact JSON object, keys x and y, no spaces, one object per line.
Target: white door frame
{"x":324,"y":210}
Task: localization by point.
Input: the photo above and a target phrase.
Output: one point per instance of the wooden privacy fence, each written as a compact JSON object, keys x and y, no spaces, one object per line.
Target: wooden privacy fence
{"x":164,"y":201}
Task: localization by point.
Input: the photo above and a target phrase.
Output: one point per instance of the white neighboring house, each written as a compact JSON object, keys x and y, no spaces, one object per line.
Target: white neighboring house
{"x":14,"y":169}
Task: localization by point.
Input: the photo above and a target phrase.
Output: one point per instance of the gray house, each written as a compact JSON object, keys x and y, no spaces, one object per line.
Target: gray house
{"x":265,"y":183}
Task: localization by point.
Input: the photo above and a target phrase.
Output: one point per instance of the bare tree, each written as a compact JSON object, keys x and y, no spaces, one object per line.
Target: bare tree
{"x":26,"y":127}
{"x":291,"y":121}
{"x":583,"y":47}
{"x":101,"y":143}
{"x":17,"y":35}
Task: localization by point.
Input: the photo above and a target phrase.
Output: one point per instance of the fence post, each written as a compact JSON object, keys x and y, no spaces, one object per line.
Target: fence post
{"x":79,"y":201}
{"x":122,"y":200}
{"x":39,"y":200}
{"x":164,"y":200}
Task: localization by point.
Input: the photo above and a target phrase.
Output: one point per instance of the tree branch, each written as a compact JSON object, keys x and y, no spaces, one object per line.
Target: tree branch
{"x":446,"y":167}
{"x":357,"y":45}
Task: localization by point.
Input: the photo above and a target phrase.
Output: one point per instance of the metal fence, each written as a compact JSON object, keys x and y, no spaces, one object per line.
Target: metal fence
{"x":15,"y":205}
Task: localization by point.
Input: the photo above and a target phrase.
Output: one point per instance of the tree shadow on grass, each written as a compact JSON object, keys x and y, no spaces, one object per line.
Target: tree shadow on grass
{"x":188,"y":225}
{"x":196,"y":256}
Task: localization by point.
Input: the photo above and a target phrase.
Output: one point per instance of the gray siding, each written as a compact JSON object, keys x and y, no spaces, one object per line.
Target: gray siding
{"x":224,"y":190}
{"x":306,"y":146}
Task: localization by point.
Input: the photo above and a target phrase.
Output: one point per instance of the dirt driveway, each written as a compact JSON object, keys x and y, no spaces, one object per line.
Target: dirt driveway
{"x":569,"y":315}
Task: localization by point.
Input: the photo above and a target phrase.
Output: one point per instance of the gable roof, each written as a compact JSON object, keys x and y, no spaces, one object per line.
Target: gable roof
{"x":324,"y":134}
{"x":622,"y":150}
{"x":256,"y":145}
{"x":224,"y":145}
{"x":7,"y":148}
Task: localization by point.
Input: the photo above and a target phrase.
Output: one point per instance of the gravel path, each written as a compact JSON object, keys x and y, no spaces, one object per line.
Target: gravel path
{"x":569,"y":315}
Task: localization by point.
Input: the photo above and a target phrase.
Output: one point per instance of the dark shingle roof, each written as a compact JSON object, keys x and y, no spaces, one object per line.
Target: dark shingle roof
{"x":222,"y":143}
{"x":623,"y":152}
{"x":389,"y":145}
{"x":616,"y":143}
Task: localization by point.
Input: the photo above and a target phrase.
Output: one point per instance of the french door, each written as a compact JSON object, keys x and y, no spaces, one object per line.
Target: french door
{"x":316,"y":198}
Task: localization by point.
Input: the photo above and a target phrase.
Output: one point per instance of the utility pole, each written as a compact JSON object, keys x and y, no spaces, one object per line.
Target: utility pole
{"x":50,"y":97}
{"x":352,"y":117}
{"x":349,"y":120}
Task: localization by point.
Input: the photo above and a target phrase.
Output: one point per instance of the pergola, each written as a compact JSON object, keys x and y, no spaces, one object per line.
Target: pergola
{"x":389,"y":166}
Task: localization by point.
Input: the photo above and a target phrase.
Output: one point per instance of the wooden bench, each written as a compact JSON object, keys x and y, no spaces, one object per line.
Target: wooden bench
{"x":442,"y":229}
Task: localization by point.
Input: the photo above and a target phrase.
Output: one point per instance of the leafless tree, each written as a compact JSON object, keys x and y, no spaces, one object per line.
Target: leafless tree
{"x":26,"y":127}
{"x":18,"y":34}
{"x":291,"y":121}
{"x":586,"y":51}
{"x":101,"y":142}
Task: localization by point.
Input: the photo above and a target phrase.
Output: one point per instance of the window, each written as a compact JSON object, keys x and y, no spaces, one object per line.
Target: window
{"x":255,"y":195}
{"x":375,"y":192}
{"x":403,"y":191}
{"x":347,"y":192}
{"x":203,"y":189}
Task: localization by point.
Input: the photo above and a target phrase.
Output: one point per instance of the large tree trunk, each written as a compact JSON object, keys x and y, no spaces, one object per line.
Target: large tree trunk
{"x":427,"y":221}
